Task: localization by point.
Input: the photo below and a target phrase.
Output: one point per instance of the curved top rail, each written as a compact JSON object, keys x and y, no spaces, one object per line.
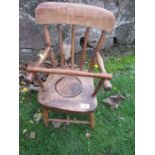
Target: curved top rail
{"x":75,"y":14}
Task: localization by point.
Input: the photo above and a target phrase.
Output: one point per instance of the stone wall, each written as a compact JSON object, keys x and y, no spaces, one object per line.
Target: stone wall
{"x":31,"y":37}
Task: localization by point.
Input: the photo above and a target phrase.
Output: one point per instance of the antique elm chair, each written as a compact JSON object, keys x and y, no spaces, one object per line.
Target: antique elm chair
{"x":69,"y":88}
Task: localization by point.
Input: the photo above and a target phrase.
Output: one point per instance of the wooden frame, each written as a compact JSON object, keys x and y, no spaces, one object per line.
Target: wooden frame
{"x":73,"y":14}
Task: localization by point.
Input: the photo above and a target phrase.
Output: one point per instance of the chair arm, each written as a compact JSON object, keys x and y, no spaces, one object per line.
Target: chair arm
{"x":41,"y":57}
{"x":34,"y":69}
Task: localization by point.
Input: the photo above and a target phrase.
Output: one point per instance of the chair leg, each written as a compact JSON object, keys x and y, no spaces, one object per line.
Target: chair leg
{"x":45,"y":117}
{"x":92,"y":120}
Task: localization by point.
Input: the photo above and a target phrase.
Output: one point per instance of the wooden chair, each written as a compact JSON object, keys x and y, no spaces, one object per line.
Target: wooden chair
{"x":70,"y":89}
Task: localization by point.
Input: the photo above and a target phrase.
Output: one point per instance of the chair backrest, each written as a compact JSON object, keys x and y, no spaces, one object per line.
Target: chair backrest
{"x":74,"y":14}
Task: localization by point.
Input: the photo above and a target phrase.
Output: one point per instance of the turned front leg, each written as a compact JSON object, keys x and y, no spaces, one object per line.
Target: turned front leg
{"x":45,"y":117}
{"x":92,"y":120}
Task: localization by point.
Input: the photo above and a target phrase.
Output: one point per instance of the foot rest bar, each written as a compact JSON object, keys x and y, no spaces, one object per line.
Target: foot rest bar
{"x":68,"y":121}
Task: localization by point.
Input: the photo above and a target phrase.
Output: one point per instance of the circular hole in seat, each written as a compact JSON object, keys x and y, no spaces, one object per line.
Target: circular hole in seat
{"x":68,"y":86}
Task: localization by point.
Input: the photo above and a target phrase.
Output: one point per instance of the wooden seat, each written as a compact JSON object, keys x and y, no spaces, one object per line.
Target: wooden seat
{"x":69,"y":88}
{"x":68,"y":93}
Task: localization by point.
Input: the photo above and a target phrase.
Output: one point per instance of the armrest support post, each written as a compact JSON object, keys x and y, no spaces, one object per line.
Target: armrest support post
{"x":97,"y":87}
